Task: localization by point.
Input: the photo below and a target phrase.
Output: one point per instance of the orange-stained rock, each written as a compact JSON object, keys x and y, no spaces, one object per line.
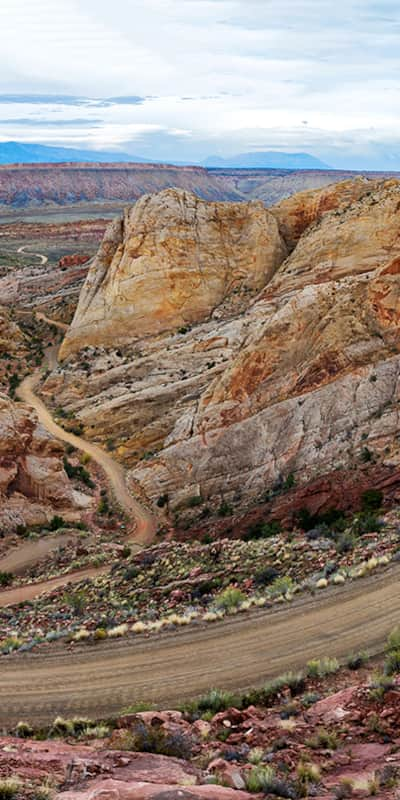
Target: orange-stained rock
{"x":171,"y":262}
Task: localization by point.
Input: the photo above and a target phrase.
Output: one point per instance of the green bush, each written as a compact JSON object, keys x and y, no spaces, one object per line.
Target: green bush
{"x":357,"y":660}
{"x":6,"y":578}
{"x":231,"y":597}
{"x":319,"y":668}
{"x":263,"y":530}
{"x":371,"y":500}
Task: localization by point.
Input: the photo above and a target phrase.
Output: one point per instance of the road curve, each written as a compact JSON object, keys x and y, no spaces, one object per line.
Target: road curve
{"x":62,"y":326}
{"x":99,"y":680}
{"x":145,"y":521}
{"x":43,"y":259}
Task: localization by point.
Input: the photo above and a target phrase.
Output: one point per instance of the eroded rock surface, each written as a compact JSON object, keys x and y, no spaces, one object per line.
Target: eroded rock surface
{"x":171,"y":262}
{"x":33,"y":484}
{"x":303,"y":378}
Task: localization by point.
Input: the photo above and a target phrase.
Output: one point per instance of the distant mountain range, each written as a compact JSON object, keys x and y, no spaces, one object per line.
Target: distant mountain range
{"x":22,"y":153}
{"x":267,"y":160}
{"x":19,"y":153}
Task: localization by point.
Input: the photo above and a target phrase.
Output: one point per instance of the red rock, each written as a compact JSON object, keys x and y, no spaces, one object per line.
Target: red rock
{"x":116,"y":790}
{"x":74,"y":260}
{"x":335,"y":707}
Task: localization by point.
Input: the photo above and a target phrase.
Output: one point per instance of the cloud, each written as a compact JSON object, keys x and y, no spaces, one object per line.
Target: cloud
{"x":229,"y":73}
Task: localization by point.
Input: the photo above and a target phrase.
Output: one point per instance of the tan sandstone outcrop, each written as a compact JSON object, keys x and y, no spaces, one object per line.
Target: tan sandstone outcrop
{"x":300,"y":380}
{"x":33,"y":483}
{"x":317,"y":379}
{"x":172,"y":261}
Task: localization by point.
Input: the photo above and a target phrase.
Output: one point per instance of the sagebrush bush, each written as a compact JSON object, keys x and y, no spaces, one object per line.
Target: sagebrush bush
{"x":9,"y":788}
{"x":230,"y":598}
{"x":319,"y":668}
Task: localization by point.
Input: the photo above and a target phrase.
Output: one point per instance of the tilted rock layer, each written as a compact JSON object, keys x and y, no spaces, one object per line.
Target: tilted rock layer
{"x":172,"y":261}
{"x":305,"y":378}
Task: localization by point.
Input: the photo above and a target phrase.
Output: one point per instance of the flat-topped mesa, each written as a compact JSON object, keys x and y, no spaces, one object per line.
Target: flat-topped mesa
{"x":172,"y":261}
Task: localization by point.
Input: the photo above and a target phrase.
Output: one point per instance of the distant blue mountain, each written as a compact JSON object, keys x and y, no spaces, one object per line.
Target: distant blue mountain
{"x":268,"y":159}
{"x":20,"y":153}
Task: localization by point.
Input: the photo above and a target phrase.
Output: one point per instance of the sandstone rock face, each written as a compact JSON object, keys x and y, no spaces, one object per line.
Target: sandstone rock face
{"x":171,"y":262}
{"x":33,"y":484}
{"x":301,"y":210}
{"x":302,"y":379}
{"x":317,"y":375}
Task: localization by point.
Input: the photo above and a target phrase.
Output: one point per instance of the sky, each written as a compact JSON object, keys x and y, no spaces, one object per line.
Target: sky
{"x":186,"y":79}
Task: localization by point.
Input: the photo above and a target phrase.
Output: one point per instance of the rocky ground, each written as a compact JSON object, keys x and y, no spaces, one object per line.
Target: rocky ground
{"x":169,"y":586}
{"x":328,"y":733}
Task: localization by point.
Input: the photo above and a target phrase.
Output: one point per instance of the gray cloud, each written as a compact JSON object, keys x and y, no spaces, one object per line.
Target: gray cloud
{"x":206,"y":76}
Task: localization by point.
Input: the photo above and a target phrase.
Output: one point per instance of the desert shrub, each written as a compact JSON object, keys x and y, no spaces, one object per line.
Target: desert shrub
{"x":259,"y":779}
{"x":256,"y":755}
{"x":56,"y":523}
{"x":365,"y":522}
{"x":393,"y":640}
{"x":9,"y":788}
{"x":23,"y":730}
{"x":76,"y":601}
{"x":319,"y":668}
{"x":343,"y":790}
{"x":79,"y":472}
{"x":371,"y":500}
{"x":357,"y":660}
{"x":266,"y":576}
{"x":195,"y":500}
{"x":323,"y":739}
{"x":263,"y":530}
{"x":379,"y":685}
{"x":100,"y":634}
{"x":224,"y":510}
{"x":307,"y":773}
{"x":6,"y":578}
{"x":103,"y":507}
{"x":62,"y":727}
{"x":150,"y":739}
{"x":392,"y":663}
{"x":230,"y":598}
{"x":309,"y":698}
{"x":294,"y":681}
{"x":346,"y":542}
{"x":366,"y":455}
{"x":215,"y":700}
{"x":281,"y":586}
{"x":332,"y":520}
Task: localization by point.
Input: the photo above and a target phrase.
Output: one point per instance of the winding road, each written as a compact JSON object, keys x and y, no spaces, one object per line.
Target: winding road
{"x":43,"y":259}
{"x":23,"y":557}
{"x":145,"y":521}
{"x":99,"y":680}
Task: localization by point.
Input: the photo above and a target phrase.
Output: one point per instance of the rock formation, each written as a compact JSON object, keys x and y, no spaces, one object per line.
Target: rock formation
{"x":171,"y":262}
{"x":302,"y":379}
{"x":33,"y":484}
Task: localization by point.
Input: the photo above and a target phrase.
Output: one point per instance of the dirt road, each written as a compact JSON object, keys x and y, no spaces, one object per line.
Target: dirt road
{"x":145,"y":521}
{"x":99,"y":680}
{"x":43,"y":259}
{"x":22,"y":558}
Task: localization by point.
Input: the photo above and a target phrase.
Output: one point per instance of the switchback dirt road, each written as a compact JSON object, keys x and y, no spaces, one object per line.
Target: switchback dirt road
{"x":23,"y":557}
{"x":145,"y":521}
{"x":99,"y":680}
